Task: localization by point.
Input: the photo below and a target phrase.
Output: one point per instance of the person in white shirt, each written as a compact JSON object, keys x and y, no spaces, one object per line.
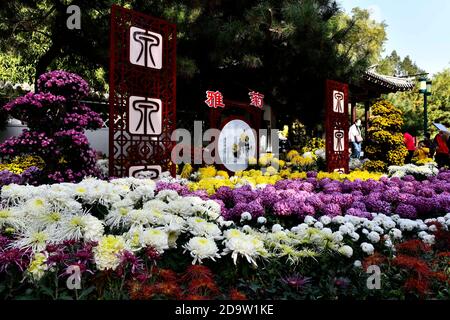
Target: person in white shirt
{"x":355,"y":138}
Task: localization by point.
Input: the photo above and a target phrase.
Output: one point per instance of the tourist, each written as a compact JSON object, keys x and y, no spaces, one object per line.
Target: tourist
{"x":442,"y":151}
{"x":356,"y":139}
{"x":410,"y":144}
{"x":422,"y":152}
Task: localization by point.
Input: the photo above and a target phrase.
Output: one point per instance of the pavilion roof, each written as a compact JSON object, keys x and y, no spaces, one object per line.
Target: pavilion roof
{"x":391,"y":83}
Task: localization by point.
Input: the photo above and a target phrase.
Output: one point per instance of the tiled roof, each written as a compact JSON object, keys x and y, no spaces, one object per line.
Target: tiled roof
{"x":390,"y":82}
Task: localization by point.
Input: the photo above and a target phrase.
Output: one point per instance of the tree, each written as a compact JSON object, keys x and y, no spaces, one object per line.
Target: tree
{"x":283,"y":48}
{"x":394,"y":65}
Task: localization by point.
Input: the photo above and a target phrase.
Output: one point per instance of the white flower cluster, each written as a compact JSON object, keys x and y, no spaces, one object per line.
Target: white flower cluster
{"x":136,"y":217}
{"x":427,"y":170}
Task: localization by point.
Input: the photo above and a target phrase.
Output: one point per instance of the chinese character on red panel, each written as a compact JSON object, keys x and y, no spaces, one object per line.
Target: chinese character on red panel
{"x":256,"y":99}
{"x":214,"y":99}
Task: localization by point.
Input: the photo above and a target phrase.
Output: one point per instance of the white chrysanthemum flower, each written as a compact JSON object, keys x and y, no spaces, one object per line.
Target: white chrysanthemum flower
{"x":11,"y":218}
{"x":325,"y":220}
{"x":318,"y":225}
{"x":139,"y":217}
{"x":388,"y":243}
{"x":277,"y":228}
{"x":346,"y":251}
{"x":338,"y":237}
{"x":155,"y":238}
{"x":357,"y":264}
{"x":261,"y":220}
{"x":327,"y":232}
{"x":310,"y":220}
{"x":246,"y":216}
{"x":36,"y":205}
{"x":429,"y":239}
{"x":180,"y":207}
{"x":15,"y":194}
{"x":396,"y":233}
{"x":79,"y":227}
{"x":233,"y":233}
{"x":344,"y":229}
{"x":142,"y":193}
{"x":247,"y":246}
{"x":37,"y":240}
{"x":200,"y":227}
{"x":167,"y":195}
{"x":118,"y":218}
{"x":355,"y":236}
{"x":107,"y":252}
{"x":224,"y":223}
{"x":432,"y":228}
{"x":367,"y":248}
{"x":338,"y":220}
{"x":373,"y":237}
{"x":202,"y":248}
{"x":212,"y":209}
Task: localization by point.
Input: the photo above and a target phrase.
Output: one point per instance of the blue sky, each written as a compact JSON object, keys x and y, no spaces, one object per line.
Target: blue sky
{"x":418,"y":28}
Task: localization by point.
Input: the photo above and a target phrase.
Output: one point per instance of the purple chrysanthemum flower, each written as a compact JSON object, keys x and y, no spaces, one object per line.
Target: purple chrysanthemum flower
{"x":296,"y":281}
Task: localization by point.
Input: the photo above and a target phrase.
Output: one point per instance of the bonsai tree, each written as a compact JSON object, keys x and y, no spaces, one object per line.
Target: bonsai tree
{"x":56,"y":121}
{"x":385,"y":146}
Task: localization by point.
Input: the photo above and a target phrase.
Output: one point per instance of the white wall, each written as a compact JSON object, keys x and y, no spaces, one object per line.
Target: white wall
{"x":97,"y":138}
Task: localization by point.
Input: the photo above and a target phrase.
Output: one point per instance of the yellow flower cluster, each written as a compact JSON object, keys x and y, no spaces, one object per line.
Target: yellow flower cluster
{"x":352,"y":176}
{"x":207,"y":172}
{"x":187,"y":171}
{"x":270,"y":176}
{"x":375,"y":166}
{"x":302,"y":162}
{"x":21,"y":163}
{"x":292,"y":154}
{"x":313,"y":145}
{"x":422,"y":161}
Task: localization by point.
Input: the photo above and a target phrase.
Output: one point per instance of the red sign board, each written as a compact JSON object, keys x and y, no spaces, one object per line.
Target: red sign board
{"x":142,"y":97}
{"x":337,"y":126}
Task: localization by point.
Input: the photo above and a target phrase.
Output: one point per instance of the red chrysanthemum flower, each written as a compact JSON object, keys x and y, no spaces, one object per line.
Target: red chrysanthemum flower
{"x":203,"y":286}
{"x":237,"y":295}
{"x":135,"y":290}
{"x":414,"y":264}
{"x":374,"y":260}
{"x":168,"y":289}
{"x":195,"y":297}
{"x":167,"y":275}
{"x":413,"y":247}
{"x":195,"y":272}
{"x":417,"y":285}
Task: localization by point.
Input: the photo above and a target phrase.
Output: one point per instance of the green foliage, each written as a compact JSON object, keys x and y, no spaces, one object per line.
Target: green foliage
{"x":282,"y":45}
{"x":385,"y":143}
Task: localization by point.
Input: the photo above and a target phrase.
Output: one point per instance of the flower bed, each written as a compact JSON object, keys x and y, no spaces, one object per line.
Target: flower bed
{"x":136,"y":239}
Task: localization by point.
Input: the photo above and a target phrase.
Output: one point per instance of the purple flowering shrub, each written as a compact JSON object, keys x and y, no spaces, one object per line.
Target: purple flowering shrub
{"x":295,"y":199}
{"x":56,"y":120}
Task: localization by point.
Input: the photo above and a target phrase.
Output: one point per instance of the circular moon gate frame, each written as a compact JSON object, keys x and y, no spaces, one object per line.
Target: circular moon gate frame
{"x":252,"y":116}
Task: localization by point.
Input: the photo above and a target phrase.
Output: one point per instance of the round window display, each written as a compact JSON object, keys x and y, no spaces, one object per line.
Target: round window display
{"x":236,"y":144}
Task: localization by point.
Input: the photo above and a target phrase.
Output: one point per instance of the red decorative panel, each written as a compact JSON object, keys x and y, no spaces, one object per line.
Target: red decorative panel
{"x":337,"y":126}
{"x":142,"y":97}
